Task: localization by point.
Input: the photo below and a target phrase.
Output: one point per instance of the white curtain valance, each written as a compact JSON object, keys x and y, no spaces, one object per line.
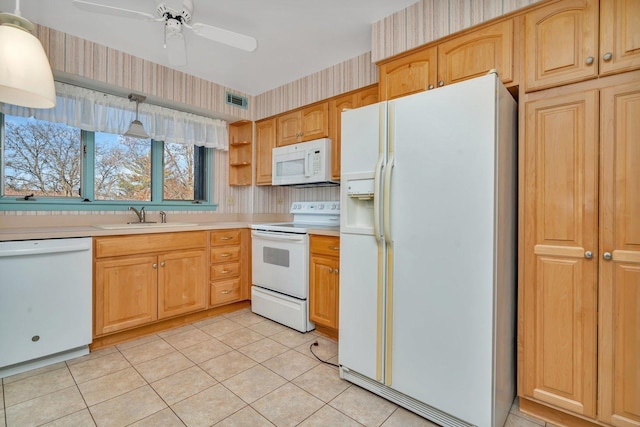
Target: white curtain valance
{"x":99,"y":112}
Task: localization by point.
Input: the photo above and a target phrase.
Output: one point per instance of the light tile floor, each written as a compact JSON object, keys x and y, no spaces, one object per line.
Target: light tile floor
{"x":238,"y":369}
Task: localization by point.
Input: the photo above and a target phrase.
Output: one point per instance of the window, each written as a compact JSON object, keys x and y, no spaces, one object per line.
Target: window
{"x":40,"y":158}
{"x":53,"y":160}
{"x":122,"y":167}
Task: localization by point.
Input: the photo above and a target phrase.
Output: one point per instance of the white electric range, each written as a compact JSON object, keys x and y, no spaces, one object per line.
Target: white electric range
{"x":280,"y":263}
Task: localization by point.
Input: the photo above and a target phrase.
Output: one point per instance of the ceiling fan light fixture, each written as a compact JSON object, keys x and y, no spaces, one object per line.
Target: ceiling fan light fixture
{"x":25,"y":75}
{"x":136,"y":129}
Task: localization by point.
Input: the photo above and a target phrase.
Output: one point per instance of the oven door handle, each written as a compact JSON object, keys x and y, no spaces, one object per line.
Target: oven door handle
{"x":278,"y":236}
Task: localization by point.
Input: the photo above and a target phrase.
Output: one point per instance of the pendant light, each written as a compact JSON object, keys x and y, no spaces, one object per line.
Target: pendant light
{"x":136,"y":129}
{"x":25,"y":74}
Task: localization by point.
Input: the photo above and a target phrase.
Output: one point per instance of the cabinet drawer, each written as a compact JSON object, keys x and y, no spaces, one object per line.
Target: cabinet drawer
{"x":225,"y":271}
{"x":148,"y":243}
{"x":225,"y":237}
{"x":226,"y":291}
{"x":326,"y":245}
{"x":225,"y":254}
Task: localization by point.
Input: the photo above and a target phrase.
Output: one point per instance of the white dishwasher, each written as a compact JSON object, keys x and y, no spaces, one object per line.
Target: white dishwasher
{"x":45,"y":302}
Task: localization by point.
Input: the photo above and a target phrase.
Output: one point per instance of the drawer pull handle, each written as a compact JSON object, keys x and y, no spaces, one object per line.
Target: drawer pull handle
{"x":225,"y":272}
{"x":226,"y":238}
{"x":225,"y":255}
{"x":334,"y":248}
{"x":225,"y":292}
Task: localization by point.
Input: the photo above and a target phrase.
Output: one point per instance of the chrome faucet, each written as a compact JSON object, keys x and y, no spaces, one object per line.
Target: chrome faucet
{"x":140,"y":213}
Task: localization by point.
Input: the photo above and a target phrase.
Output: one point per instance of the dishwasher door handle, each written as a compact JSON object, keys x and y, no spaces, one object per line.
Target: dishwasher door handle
{"x":9,"y":251}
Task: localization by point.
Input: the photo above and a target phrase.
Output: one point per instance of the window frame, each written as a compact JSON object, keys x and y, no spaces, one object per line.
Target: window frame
{"x":87,"y":176}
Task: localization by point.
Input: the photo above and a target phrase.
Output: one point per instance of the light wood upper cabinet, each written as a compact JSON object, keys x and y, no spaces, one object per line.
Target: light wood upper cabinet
{"x":357,"y":99}
{"x":265,"y":142}
{"x":303,"y":125}
{"x":575,"y":40}
{"x":475,"y":53}
{"x":561,"y":43}
{"x":407,"y":74}
{"x":619,"y":36}
{"x":324,"y":281}
{"x":560,"y":291}
{"x":619,"y":286}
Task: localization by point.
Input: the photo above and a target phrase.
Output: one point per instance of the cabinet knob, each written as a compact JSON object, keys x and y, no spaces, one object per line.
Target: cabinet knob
{"x":607,"y":56}
{"x":588,"y":254}
{"x":441,"y":83}
{"x":154,"y":265}
{"x":607,"y":256}
{"x":589,"y":60}
{"x":162,"y":264}
{"x":335,"y":271}
{"x":430,"y":87}
{"x":330,"y":270}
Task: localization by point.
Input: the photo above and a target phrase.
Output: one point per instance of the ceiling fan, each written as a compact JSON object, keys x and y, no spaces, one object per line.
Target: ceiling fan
{"x":175,"y":14}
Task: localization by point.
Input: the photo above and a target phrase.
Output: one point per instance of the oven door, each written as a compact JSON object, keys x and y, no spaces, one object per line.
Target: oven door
{"x":280,"y":262}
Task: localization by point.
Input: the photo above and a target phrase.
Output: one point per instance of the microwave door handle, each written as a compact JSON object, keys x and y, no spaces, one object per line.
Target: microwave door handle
{"x":307,"y":166}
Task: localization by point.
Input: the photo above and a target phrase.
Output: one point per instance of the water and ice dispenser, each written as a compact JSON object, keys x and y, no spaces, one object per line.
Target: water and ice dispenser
{"x":357,"y":203}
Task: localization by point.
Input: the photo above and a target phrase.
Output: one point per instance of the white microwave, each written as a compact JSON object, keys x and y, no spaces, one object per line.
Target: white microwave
{"x":303,"y":164}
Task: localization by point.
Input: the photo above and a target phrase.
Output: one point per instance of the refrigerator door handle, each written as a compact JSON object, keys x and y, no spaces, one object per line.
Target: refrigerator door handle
{"x":376,"y":199}
{"x":387,"y":199}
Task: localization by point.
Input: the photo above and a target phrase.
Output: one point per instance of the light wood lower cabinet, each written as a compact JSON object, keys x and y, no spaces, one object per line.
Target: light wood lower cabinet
{"x":580,"y":294}
{"x":141,"y":279}
{"x":324,"y":281}
{"x":229,"y":266}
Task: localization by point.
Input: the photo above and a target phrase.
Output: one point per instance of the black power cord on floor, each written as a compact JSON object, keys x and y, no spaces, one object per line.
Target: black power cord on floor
{"x":315,"y":343}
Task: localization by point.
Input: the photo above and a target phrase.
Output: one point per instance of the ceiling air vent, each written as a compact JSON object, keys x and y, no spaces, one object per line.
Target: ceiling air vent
{"x":237,"y":100}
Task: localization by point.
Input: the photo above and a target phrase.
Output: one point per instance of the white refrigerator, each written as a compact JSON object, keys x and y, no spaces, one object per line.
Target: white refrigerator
{"x":428,"y":251}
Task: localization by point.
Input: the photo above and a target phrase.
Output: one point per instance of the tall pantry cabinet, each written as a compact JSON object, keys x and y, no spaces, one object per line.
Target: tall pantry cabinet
{"x":580,"y":300}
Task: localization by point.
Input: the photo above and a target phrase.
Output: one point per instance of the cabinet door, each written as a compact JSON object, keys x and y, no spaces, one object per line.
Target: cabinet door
{"x":182,"y":283}
{"x":315,"y":122}
{"x":408,"y":74}
{"x":619,"y":36}
{"x":265,"y":142}
{"x":619,"y":323}
{"x":475,"y":53}
{"x":561,"y":212}
{"x":561,"y":42}
{"x":336,"y":107}
{"x":288,"y":130}
{"x":366,"y":96}
{"x":126,"y":293}
{"x":323,"y":304}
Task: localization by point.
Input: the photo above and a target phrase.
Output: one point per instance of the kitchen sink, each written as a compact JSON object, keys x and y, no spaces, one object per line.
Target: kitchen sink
{"x":121,"y":226}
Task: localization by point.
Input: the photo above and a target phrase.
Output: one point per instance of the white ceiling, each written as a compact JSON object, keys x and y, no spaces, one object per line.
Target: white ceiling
{"x":296,"y":38}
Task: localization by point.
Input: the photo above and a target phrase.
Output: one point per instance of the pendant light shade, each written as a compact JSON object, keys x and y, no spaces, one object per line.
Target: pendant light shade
{"x":25,"y":74}
{"x":136,"y":129}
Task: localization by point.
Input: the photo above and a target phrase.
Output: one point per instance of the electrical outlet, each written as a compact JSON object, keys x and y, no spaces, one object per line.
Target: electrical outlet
{"x":231,"y":201}
{"x":280,"y":201}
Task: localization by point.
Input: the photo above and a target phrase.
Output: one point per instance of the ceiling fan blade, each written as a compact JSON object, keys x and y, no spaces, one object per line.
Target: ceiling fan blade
{"x":114,"y":11}
{"x":227,"y":37}
{"x":176,"y":50}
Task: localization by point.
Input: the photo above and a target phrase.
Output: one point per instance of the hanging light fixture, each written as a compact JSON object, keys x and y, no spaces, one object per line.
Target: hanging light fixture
{"x":136,"y":129}
{"x":25,"y":74}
